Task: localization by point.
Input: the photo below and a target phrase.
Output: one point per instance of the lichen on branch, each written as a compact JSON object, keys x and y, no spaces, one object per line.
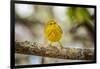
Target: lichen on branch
{"x":35,"y":48}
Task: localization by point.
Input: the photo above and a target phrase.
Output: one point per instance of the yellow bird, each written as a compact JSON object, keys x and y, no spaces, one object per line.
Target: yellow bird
{"x":53,"y":32}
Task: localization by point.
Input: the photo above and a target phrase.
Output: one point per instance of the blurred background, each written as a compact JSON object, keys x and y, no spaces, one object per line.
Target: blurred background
{"x":77,"y":24}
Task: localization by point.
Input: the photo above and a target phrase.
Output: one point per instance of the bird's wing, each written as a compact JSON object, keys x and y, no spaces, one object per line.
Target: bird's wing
{"x":60,"y":29}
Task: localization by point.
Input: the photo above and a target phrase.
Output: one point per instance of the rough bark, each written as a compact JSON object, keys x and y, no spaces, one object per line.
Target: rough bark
{"x":34,"y":48}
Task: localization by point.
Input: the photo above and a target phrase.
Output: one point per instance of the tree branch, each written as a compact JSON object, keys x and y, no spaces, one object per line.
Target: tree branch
{"x":33,"y":48}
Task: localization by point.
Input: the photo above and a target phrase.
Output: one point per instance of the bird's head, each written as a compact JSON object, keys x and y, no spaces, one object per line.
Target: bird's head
{"x":51,"y":22}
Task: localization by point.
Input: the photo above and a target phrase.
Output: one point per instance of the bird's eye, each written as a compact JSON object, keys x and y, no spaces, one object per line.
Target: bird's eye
{"x":50,"y":23}
{"x":54,"y":23}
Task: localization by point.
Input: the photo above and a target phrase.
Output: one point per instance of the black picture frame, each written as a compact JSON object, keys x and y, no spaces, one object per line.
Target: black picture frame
{"x":12,"y":33}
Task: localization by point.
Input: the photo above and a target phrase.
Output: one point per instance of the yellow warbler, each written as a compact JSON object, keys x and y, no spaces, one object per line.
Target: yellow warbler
{"x":53,"y":32}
